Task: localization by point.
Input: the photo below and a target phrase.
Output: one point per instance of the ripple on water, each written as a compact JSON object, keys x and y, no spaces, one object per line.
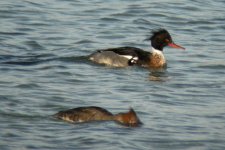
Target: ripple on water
{"x":27,"y":86}
{"x":215,"y":66}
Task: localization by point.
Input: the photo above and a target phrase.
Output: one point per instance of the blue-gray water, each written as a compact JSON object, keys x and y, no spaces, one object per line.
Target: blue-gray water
{"x":41,"y":73}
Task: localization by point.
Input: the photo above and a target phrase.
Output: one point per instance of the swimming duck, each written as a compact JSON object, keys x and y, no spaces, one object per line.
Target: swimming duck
{"x":93,"y":113}
{"x":128,"y":56}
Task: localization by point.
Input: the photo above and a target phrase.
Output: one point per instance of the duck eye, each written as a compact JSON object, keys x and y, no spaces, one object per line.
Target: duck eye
{"x":167,"y":40}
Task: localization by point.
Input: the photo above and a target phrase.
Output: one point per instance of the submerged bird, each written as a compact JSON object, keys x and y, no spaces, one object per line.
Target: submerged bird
{"x":93,"y":113}
{"x":128,"y":56}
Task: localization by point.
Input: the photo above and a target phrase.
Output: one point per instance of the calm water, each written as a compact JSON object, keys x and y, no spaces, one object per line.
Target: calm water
{"x":41,"y":73}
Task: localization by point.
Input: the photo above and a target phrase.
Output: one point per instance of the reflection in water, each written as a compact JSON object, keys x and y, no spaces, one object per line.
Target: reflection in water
{"x":158,"y":75}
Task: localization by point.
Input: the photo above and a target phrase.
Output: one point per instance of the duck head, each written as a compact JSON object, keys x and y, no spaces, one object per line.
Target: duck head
{"x":129,"y":118}
{"x":161,"y":38}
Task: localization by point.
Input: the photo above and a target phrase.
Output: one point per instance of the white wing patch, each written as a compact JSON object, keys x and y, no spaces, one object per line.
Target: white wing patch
{"x":127,"y":56}
{"x":130,"y":57}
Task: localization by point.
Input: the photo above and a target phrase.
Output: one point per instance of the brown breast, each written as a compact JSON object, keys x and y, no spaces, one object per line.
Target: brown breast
{"x":157,"y":60}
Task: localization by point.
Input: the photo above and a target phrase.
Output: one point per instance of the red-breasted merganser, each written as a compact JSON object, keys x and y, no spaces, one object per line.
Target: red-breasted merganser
{"x":127,"y":56}
{"x":93,"y":113}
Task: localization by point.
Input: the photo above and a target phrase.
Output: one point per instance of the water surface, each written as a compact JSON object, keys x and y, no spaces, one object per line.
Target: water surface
{"x":41,"y":73}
